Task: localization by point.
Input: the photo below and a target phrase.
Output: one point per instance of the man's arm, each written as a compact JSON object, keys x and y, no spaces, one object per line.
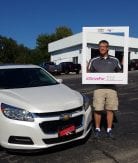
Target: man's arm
{"x":90,"y":67}
{"x":118,"y":66}
{"x":87,"y":66}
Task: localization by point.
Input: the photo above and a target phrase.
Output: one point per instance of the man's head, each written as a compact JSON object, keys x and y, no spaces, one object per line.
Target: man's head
{"x":103,"y":47}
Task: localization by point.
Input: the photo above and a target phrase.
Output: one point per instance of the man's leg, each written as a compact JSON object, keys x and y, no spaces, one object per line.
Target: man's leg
{"x":111,"y":106}
{"x":97,"y":117}
{"x":98,"y":104}
{"x":110,"y":116}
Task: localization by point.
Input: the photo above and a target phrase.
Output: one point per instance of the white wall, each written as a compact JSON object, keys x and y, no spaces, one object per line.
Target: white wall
{"x":65,"y":42}
{"x":67,"y":48}
{"x":66,"y":57}
{"x":133,"y":55}
{"x":111,"y":52}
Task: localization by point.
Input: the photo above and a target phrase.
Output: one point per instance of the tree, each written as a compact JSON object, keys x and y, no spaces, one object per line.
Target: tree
{"x":23,"y":55}
{"x":8,"y":50}
{"x":11,"y":52}
{"x":43,"y":40}
{"x":62,"y":32}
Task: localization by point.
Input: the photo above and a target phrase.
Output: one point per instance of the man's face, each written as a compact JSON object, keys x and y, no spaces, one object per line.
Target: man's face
{"x":103,"y":48}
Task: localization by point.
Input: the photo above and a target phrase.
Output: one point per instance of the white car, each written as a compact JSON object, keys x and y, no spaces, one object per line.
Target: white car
{"x":37,"y":111}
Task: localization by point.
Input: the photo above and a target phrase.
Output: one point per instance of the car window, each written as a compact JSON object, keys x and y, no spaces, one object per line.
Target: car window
{"x":25,"y":77}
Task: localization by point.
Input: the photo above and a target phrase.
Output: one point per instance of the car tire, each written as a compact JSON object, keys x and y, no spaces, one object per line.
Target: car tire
{"x":132,"y":69}
{"x":77,"y":72}
{"x":66,"y":71}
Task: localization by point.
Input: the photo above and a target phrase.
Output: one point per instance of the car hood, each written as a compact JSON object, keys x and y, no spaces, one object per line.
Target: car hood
{"x":42,"y":99}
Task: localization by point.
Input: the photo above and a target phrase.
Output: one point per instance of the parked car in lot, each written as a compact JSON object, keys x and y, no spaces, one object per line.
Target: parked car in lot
{"x":133,"y":64}
{"x":37,"y":111}
{"x":66,"y":67}
{"x":51,"y":67}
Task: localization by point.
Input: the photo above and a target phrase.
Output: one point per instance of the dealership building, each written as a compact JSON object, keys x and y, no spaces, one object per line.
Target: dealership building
{"x":69,"y":49}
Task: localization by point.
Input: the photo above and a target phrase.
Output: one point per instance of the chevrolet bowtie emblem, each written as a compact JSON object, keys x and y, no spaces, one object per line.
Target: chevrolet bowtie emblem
{"x":65,"y":117}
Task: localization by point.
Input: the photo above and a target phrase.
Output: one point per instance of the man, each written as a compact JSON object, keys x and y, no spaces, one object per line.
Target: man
{"x":105,"y":96}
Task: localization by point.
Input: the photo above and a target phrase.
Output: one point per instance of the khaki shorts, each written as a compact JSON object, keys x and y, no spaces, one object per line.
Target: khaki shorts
{"x":105,"y":99}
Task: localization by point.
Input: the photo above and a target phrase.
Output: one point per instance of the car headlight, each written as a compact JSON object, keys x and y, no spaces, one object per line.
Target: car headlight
{"x":86,"y":102}
{"x":16,"y":113}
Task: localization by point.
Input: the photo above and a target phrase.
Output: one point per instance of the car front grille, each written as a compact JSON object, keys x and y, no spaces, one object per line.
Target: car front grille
{"x":62,"y":139}
{"x":52,"y":127}
{"x":57,"y":114}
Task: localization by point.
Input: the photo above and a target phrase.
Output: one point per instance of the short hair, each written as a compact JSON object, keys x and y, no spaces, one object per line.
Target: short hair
{"x":104,"y":41}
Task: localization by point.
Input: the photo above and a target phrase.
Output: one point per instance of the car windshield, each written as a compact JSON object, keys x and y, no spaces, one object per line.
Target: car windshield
{"x":25,"y":77}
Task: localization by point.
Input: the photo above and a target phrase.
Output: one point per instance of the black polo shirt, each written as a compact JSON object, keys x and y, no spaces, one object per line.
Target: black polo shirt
{"x":108,"y":64}
{"x":100,"y":64}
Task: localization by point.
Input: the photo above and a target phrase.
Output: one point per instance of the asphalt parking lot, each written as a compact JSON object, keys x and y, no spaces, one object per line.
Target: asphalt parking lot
{"x":123,"y":149}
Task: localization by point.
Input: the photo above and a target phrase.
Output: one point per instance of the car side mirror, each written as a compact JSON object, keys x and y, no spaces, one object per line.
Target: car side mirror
{"x":60,"y":80}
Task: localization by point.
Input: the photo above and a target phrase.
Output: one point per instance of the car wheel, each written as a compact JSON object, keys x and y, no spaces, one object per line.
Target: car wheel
{"x":66,"y":71}
{"x":77,"y":72}
{"x":132,"y":69}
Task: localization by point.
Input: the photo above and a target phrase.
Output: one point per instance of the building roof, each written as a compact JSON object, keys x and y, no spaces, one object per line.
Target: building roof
{"x":93,"y":38}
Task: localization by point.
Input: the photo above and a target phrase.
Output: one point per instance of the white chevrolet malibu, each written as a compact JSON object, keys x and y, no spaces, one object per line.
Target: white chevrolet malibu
{"x":37,"y":111}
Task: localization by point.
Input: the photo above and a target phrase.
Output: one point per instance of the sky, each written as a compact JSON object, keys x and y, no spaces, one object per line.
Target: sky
{"x":24,"y":20}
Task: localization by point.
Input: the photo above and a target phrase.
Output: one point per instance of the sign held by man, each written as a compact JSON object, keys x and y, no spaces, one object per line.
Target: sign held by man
{"x":105,"y":68}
